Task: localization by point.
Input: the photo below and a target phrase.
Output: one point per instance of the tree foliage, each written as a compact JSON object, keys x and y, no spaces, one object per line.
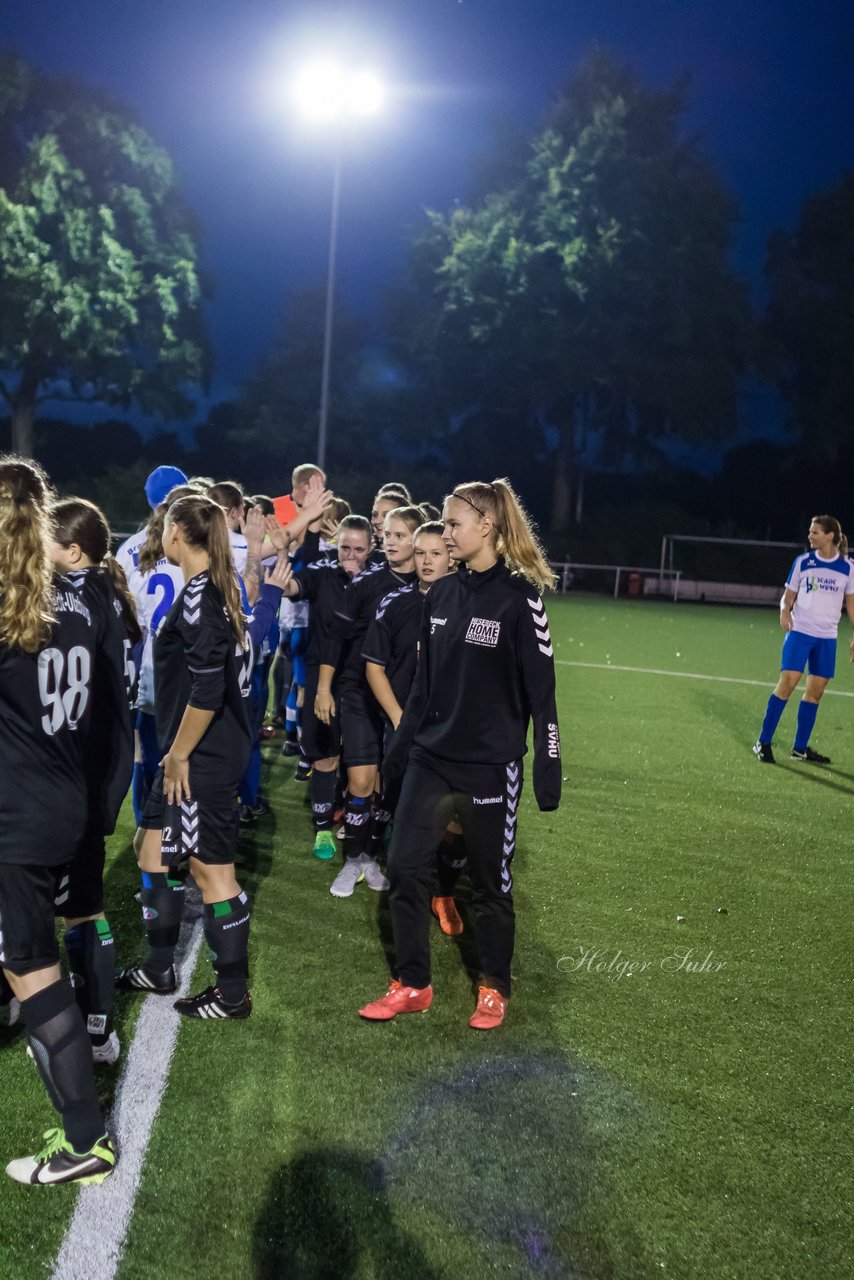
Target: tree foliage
{"x":98,"y":260}
{"x":274,"y":423}
{"x":588,"y":301}
{"x":810,"y":319}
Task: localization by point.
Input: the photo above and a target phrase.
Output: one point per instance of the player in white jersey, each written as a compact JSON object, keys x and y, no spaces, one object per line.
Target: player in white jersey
{"x":820,"y":582}
{"x":158,"y":484}
{"x":154,"y":584}
{"x":229,"y":495}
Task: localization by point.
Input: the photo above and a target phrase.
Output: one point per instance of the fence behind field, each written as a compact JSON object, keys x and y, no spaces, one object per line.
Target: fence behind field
{"x":574,"y":571}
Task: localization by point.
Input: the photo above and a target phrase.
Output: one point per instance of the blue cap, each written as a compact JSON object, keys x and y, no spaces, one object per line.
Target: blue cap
{"x":161,"y":481}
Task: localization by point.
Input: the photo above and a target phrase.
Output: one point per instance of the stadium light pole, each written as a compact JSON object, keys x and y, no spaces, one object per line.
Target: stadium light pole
{"x":328,"y":95}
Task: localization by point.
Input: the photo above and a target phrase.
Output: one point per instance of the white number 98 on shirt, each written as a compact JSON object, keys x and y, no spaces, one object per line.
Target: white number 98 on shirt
{"x":64,"y":684}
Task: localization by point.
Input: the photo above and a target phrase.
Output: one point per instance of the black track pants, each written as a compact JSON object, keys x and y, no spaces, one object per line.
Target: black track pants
{"x":485,"y":799}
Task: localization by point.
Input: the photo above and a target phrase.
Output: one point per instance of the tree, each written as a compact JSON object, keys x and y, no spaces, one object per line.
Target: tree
{"x":273,"y":425}
{"x":98,"y":261}
{"x":589,"y":300}
{"x":810,"y":319}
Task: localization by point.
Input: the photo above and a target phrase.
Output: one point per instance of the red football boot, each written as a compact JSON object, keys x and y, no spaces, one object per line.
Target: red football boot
{"x":445,"y":911}
{"x":398,"y":999}
{"x":490,"y":1011}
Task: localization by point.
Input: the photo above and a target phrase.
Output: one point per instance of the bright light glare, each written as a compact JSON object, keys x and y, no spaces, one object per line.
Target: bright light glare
{"x":324,"y":92}
{"x":364,"y":93}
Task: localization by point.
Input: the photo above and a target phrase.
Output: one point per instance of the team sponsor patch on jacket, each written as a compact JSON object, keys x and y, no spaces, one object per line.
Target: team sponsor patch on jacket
{"x":483,"y":631}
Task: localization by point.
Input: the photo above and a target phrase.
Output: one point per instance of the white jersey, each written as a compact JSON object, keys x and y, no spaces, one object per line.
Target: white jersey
{"x":154,"y":593}
{"x":239,"y":550}
{"x":128,"y":553}
{"x":293,"y":613}
{"x":821,"y":587}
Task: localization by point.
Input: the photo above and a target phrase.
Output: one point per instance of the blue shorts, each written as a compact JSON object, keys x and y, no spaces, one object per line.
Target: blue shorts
{"x":800,"y":650}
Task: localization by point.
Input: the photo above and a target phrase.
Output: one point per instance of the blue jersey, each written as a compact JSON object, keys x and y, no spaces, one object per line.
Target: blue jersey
{"x":821,"y":587}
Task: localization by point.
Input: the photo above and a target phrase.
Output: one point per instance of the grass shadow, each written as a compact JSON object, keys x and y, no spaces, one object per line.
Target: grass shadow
{"x":503,"y":1153}
{"x":326,"y":1217}
{"x":254,"y":857}
{"x":798,"y":771}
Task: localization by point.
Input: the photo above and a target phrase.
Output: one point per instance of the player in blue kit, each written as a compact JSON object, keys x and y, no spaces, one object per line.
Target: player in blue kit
{"x":818,"y":586}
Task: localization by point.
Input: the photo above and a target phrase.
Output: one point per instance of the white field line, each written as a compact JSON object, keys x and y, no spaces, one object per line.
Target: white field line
{"x":685,"y":675}
{"x":92,"y":1247}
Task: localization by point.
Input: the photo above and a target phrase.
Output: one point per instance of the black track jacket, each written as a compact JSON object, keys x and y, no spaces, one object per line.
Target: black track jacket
{"x":485,"y":670}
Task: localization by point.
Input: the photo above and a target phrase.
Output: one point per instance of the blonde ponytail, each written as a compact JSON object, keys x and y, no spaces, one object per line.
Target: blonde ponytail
{"x":26,"y":567}
{"x":516,"y":540}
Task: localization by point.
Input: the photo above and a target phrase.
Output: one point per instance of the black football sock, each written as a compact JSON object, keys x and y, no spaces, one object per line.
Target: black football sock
{"x":227,"y":935}
{"x":380,"y":818}
{"x":162,"y":907}
{"x":7,"y":995}
{"x":63,"y":1054}
{"x":92,"y":965}
{"x":357,"y":825}
{"x":450,"y":860}
{"x":322,"y":791}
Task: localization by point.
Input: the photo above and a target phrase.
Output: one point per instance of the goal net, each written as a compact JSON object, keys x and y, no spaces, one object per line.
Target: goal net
{"x":739,"y":570}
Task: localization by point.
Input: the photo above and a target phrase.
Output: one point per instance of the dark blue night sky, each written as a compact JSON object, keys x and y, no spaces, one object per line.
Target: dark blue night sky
{"x":772,"y":101}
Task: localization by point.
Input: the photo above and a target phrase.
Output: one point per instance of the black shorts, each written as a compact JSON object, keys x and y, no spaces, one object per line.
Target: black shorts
{"x":361,"y":729}
{"x":319,"y":741}
{"x":85,"y":879}
{"x":30,"y":897}
{"x":205,"y":827}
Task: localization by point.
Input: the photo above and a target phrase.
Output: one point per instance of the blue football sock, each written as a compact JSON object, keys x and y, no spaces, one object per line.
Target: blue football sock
{"x":807,"y":712}
{"x":140,"y":788}
{"x":776,"y":707}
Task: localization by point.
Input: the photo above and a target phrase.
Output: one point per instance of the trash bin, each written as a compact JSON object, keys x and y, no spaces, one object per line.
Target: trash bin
{"x":635,"y":584}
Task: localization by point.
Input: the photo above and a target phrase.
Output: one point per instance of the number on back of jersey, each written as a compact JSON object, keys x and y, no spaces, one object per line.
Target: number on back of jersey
{"x":162,"y":587}
{"x":132,"y":659}
{"x":65,"y":683}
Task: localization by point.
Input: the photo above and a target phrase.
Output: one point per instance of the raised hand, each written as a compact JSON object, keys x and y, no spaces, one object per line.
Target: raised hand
{"x":316,"y":503}
{"x":277,"y":535}
{"x":253,"y":528}
{"x":280,"y":573}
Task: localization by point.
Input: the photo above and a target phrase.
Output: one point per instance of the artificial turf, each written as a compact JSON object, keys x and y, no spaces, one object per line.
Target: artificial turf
{"x":635,"y":1117}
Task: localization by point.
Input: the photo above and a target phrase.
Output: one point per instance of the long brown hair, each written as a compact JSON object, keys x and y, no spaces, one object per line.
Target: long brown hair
{"x":516,"y":540}
{"x":227,"y":493}
{"x":26,"y":568}
{"x":831,"y":525}
{"x":78,"y":520}
{"x":152,"y":549}
{"x":204,"y":525}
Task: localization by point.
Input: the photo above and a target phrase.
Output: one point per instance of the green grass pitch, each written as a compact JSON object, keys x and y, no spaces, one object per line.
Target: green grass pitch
{"x":669,"y":1096}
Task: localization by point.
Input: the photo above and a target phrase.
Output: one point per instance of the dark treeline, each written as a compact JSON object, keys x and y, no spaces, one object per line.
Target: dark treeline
{"x":574,"y":325}
{"x":763,"y":490}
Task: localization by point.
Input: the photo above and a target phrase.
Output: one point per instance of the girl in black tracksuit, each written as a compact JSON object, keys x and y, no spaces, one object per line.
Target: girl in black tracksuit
{"x":81,"y":550}
{"x":390,"y":651}
{"x":361,"y":722}
{"x":202,"y":671}
{"x":54,"y":650}
{"x":486,"y":670}
{"x":323,"y":581}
